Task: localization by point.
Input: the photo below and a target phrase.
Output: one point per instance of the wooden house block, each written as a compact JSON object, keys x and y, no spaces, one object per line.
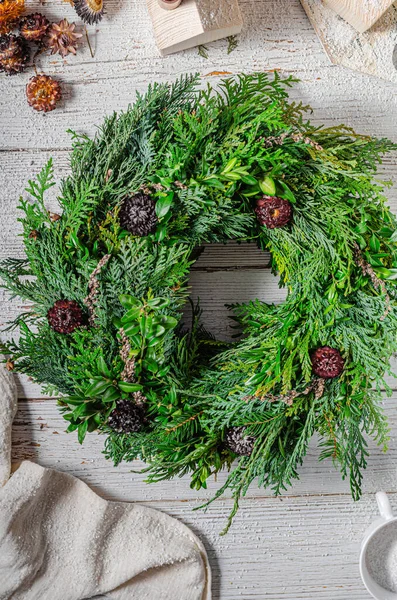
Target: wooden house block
{"x":194,"y":22}
{"x":373,"y":52}
{"x":362,"y":14}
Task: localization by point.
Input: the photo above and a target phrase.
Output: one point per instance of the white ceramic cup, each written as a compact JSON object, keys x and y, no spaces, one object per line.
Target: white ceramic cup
{"x":386,"y":517}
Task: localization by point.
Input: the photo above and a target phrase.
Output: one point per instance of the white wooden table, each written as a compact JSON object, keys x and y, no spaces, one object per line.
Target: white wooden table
{"x":304,"y":544}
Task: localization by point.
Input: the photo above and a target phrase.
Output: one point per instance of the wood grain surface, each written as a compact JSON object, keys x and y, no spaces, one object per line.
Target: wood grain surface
{"x":305,"y":544}
{"x":362,"y":14}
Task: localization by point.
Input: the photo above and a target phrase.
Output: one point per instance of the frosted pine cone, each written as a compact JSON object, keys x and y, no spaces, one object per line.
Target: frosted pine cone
{"x":273,"y":212}
{"x":138,"y":215}
{"x":238,"y":442}
{"x":327,"y":362}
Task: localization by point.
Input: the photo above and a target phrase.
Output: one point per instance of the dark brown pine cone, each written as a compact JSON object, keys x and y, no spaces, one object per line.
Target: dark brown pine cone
{"x":127,"y":417}
{"x":327,"y":362}
{"x":273,"y":212}
{"x":65,"y":316}
{"x":138,"y":215}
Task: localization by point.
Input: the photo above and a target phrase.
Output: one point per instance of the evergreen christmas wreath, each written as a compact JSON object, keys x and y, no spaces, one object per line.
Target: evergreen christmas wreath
{"x":108,"y":279}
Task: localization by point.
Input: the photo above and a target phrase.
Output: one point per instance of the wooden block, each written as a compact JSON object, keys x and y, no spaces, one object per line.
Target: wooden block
{"x":372,"y":52}
{"x":362,"y":14}
{"x":194,"y":22}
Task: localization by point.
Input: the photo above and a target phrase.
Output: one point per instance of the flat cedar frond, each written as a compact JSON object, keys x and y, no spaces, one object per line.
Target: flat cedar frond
{"x":108,"y":279}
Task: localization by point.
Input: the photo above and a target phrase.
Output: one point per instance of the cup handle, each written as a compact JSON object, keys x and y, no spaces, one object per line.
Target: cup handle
{"x":384,"y":505}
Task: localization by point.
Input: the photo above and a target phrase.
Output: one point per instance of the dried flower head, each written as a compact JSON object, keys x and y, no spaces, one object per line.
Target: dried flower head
{"x":43,"y":92}
{"x":62,"y":38}
{"x":65,"y":316}
{"x":90,"y":11}
{"x":10,"y":11}
{"x":34,"y":27}
{"x":14,"y":54}
{"x":273,"y":212}
{"x":327,"y":362}
{"x":10,"y":46}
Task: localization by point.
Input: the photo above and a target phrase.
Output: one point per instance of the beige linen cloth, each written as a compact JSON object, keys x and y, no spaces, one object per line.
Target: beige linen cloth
{"x":60,"y":541}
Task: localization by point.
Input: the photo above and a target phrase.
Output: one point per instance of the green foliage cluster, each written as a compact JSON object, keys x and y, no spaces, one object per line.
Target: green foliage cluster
{"x":206,"y":156}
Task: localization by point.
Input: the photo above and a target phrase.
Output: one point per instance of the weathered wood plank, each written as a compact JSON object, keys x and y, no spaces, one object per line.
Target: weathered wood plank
{"x":39,"y":435}
{"x":126,"y":60}
{"x":298,"y":548}
{"x":117,"y":89}
{"x":316,"y":538}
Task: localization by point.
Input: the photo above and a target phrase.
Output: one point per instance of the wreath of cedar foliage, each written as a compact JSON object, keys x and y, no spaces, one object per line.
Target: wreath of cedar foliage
{"x":189,"y":166}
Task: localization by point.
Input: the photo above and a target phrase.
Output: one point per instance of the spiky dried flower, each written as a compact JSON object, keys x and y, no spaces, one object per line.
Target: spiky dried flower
{"x":14,"y":54}
{"x":34,"y":27}
{"x":90,"y":11}
{"x":62,"y":38}
{"x":10,"y":11}
{"x":65,"y":316}
{"x":273,"y":212}
{"x":138,"y":215}
{"x":43,"y":92}
{"x":10,"y":46}
{"x":327,"y":362}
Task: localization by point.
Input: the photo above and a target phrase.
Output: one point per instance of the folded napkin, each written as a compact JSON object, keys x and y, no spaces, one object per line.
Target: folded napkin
{"x":60,"y":541}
